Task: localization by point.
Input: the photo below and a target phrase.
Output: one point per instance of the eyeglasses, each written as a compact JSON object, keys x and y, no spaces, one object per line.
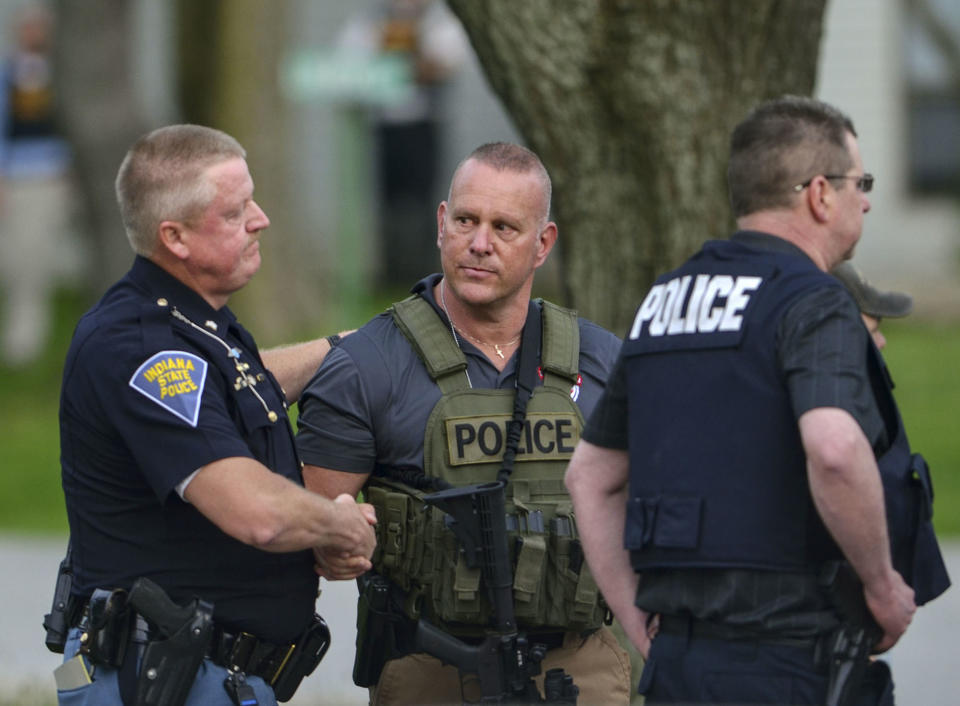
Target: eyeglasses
{"x":864,"y":183}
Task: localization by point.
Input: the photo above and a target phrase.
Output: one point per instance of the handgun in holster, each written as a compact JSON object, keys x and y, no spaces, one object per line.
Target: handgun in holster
{"x":378,"y":626}
{"x":849,"y":646}
{"x":180,"y":636}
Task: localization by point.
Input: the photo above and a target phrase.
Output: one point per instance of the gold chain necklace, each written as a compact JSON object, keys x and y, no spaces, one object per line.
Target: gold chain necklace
{"x":496,"y":346}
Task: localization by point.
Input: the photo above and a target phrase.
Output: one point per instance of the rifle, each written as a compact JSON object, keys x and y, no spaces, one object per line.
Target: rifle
{"x":504,"y":662}
{"x":850,"y":644}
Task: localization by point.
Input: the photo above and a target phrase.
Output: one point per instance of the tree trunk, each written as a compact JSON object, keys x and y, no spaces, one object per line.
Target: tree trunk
{"x":100,"y":117}
{"x":630,"y":105}
{"x":230,"y":51}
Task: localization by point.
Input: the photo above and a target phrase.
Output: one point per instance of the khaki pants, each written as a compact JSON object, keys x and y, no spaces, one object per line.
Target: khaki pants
{"x":598,"y":665}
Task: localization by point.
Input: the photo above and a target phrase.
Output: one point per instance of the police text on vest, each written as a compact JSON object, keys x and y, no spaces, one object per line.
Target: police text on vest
{"x":714,"y":303}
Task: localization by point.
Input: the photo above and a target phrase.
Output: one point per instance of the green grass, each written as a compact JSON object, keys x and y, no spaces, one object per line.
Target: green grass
{"x":924,"y":359}
{"x":30,"y":494}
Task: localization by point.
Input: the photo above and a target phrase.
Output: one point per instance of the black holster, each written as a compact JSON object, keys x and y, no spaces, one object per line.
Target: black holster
{"x":310,"y":649}
{"x":180,"y":638}
{"x":848,"y":647}
{"x":106,"y":627}
{"x":380,"y":628}
{"x":59,"y":620}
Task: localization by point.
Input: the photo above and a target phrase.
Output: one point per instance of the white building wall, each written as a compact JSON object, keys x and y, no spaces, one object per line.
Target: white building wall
{"x":909,"y":243}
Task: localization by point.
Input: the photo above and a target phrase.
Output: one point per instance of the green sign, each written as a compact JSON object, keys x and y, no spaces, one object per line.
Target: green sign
{"x":345,"y":77}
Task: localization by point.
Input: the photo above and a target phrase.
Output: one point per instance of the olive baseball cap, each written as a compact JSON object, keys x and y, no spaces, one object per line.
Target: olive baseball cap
{"x":871,"y":300}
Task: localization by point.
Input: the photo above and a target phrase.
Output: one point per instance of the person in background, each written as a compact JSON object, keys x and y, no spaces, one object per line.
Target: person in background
{"x":905,"y":475}
{"x":426,"y":41}
{"x":874,"y":304}
{"x":35,"y":191}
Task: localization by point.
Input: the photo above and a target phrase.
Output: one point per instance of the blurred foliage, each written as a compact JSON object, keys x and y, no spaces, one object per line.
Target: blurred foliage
{"x":923,"y":358}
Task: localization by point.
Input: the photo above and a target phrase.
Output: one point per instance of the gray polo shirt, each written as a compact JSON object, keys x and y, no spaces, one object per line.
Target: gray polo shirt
{"x":369,"y":402}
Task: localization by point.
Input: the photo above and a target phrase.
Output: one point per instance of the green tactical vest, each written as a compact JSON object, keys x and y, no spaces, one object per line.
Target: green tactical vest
{"x":464,"y":444}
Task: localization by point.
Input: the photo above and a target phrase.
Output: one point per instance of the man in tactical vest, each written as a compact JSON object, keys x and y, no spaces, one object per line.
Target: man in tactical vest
{"x":746,"y":443}
{"x":424,"y":397}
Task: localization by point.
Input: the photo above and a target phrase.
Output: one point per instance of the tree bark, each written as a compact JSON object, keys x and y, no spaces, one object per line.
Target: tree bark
{"x":100,"y":117}
{"x":630,"y":105}
{"x":230,"y":52}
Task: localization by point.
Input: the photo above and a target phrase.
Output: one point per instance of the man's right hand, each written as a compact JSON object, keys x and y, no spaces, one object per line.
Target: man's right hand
{"x":346,"y":553}
{"x":892,"y":605}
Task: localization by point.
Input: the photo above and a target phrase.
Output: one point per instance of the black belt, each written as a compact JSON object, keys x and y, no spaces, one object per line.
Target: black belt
{"x":240,"y":652}
{"x":243,"y":652}
{"x":687,"y":626}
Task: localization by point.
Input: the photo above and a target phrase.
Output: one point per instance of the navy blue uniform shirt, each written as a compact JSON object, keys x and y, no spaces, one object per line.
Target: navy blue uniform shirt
{"x":150,"y":394}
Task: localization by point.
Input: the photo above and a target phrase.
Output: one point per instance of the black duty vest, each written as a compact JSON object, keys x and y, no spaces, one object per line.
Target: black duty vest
{"x":717,"y":469}
{"x":464,"y":443}
{"x":908,"y":493}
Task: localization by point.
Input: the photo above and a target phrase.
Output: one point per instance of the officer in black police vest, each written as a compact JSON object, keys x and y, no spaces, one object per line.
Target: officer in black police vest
{"x":736,"y":447}
{"x":419,"y":399}
{"x":179,"y":463}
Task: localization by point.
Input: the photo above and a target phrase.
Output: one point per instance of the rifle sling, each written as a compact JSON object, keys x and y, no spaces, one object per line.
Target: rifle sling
{"x":527,"y":364}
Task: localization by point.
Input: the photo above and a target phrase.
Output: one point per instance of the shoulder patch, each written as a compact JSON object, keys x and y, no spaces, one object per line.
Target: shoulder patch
{"x":174,"y":380}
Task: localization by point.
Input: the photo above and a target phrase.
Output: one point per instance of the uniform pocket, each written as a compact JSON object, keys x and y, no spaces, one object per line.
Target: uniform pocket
{"x":528,"y":578}
{"x":572,"y":594}
{"x":456,"y":586}
{"x":665,"y":521}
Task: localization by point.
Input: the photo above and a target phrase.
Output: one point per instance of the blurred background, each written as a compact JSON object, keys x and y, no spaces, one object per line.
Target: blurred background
{"x":354,"y":115}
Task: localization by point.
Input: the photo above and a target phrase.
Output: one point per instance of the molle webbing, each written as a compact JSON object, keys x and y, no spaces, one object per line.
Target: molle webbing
{"x":561,"y":341}
{"x":433,"y":342}
{"x":436,"y":347}
{"x":465,"y":432}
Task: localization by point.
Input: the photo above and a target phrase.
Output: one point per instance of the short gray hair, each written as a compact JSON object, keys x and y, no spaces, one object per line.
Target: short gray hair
{"x":162,"y":178}
{"x":509,"y":157}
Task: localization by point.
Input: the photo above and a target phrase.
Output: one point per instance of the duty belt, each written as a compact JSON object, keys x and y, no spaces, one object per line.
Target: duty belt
{"x":243,"y":652}
{"x":239,"y":652}
{"x":687,"y":626}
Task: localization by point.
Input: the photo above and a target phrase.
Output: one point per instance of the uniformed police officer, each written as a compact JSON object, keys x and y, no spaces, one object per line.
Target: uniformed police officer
{"x":178,"y":459}
{"x":737,"y":453}
{"x":424,"y":392}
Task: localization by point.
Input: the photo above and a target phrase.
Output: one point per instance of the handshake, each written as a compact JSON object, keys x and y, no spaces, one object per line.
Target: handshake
{"x":349,"y":540}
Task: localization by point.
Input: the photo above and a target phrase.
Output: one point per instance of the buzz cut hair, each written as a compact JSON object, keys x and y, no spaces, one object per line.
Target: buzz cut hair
{"x":781,"y":143}
{"x":510,"y":157}
{"x":163,"y":178}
